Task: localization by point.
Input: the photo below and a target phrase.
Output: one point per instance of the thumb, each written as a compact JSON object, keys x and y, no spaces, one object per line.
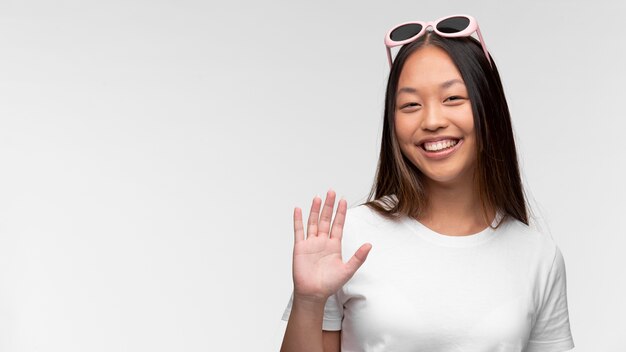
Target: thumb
{"x":358,"y":258}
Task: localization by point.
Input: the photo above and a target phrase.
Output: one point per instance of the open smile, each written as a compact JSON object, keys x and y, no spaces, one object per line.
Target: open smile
{"x":447,"y":149}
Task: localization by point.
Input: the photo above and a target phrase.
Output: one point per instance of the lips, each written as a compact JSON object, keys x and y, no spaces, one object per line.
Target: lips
{"x":442,"y":154}
{"x":441,"y":145}
{"x":434,"y":140}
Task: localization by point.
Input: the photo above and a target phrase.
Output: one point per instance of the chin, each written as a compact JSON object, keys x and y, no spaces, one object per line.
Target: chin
{"x":447,"y":178}
{"x":443,"y":181}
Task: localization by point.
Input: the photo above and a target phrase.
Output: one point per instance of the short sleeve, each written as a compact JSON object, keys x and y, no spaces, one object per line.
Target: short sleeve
{"x":333,"y":313}
{"x":551,"y":330}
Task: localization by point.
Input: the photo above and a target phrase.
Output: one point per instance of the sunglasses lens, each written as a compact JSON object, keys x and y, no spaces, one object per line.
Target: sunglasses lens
{"x":453,"y":24}
{"x":405,"y":32}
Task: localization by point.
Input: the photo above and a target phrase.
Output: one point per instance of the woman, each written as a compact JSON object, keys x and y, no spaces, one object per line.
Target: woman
{"x":454,"y":265}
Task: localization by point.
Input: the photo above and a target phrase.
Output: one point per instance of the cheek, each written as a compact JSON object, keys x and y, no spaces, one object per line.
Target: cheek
{"x":404,"y":131}
{"x":468,"y":120}
{"x":464,"y":119}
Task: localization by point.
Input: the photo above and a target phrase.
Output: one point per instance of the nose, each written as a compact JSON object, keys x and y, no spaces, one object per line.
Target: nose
{"x":433,"y":118}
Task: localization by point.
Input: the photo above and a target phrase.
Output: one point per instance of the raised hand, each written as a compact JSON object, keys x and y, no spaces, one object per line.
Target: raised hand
{"x":318,"y":269}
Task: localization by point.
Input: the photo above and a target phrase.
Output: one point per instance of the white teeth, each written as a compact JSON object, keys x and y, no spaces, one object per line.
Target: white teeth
{"x":439,"y":145}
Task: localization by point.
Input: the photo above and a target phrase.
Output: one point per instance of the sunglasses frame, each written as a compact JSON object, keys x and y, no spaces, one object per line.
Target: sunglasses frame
{"x":467,"y":32}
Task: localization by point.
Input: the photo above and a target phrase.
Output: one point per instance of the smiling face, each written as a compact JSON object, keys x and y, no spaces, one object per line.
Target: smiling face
{"x":432,"y":102}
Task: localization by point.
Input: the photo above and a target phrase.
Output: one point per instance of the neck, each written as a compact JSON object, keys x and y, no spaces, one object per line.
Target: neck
{"x":455,"y":209}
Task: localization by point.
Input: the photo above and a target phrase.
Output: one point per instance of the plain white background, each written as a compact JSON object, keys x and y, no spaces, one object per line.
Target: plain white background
{"x":152,"y":152}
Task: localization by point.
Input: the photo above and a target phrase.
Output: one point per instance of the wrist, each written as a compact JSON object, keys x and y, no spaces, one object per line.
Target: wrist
{"x":309,"y":303}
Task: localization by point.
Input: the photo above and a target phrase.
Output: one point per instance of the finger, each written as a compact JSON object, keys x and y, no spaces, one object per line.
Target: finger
{"x":340,"y":218}
{"x":298,"y":229}
{"x":358,"y":258}
{"x":327,"y":214}
{"x":311,"y":229}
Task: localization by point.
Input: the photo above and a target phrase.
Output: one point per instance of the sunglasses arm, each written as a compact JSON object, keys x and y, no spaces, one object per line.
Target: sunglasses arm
{"x":482,"y":42}
{"x":388,"y":55}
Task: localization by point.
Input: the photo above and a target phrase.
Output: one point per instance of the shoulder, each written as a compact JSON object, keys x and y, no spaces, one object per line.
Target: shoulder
{"x":363,"y":215}
{"x":366,"y":213}
{"x":539,"y":248}
{"x":364,"y":224}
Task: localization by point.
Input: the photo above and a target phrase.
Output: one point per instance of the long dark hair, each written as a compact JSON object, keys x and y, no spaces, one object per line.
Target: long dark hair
{"x":399,"y":185}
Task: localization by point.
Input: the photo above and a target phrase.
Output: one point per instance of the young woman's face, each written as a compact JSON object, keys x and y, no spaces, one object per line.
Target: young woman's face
{"x":432,"y":102}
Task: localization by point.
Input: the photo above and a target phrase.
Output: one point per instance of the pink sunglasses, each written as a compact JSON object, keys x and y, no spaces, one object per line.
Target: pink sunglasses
{"x":450,"y":26}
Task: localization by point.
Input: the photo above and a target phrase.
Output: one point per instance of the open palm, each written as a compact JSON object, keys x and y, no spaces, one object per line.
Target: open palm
{"x":318,"y":269}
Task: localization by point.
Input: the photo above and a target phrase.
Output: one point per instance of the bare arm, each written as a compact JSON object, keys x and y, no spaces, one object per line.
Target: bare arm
{"x":318,"y":272}
{"x":304,"y":329}
{"x":332,"y":341}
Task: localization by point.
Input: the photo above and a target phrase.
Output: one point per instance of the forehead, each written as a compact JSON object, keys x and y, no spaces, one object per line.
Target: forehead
{"x":428,"y":66}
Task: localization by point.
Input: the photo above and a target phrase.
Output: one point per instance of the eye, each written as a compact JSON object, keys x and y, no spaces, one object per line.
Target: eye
{"x":454,"y":97}
{"x":409,"y":105}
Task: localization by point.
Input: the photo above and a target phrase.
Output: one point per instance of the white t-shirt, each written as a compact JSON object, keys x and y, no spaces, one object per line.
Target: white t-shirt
{"x":500,"y":290}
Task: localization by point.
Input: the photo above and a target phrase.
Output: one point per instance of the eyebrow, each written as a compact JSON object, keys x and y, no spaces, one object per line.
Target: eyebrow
{"x":443,"y":85}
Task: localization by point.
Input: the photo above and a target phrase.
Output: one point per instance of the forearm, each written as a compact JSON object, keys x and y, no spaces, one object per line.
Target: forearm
{"x":304,"y":328}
